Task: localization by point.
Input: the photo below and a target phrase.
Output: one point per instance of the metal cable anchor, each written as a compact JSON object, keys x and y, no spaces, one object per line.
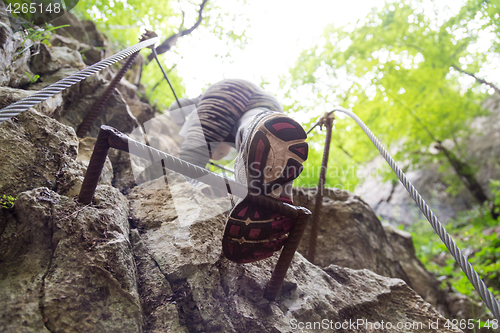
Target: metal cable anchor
{"x":327,"y":121}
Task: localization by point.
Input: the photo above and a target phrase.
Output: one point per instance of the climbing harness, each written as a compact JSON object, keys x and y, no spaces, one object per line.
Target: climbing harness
{"x":109,"y":137}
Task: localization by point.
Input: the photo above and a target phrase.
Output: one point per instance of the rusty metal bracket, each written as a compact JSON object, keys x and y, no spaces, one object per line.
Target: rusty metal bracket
{"x":327,"y":121}
{"x":109,"y":137}
{"x":286,"y":256}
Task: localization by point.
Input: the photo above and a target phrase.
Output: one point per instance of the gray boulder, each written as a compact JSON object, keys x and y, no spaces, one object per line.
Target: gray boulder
{"x":142,"y":111}
{"x":51,"y":59}
{"x":180,"y":261}
{"x":67,"y":267}
{"x":50,"y":107}
{"x":83,"y":31}
{"x":41,"y":153}
{"x":115,"y":113}
{"x":350,"y":234}
{"x":12,"y":64}
{"x":20,"y":72}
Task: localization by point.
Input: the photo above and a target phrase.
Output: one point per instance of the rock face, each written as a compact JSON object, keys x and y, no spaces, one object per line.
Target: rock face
{"x":65,"y":267}
{"x":350,"y":234}
{"x":68,"y":267}
{"x":142,"y":111}
{"x":14,"y":56}
{"x":41,"y":153}
{"x":50,"y":107}
{"x":115,"y":113}
{"x":212,"y":294}
{"x":152,"y":261}
{"x":54,"y":58}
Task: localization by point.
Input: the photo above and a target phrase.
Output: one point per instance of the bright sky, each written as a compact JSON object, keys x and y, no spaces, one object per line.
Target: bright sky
{"x":278,"y":31}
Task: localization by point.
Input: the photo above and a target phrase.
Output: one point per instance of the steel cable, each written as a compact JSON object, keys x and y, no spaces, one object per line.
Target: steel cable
{"x":30,"y":101}
{"x":466,"y":267}
{"x":25,"y":103}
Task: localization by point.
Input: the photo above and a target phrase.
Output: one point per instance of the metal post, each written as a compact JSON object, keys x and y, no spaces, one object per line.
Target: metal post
{"x":327,"y":120}
{"x":110,"y":137}
{"x":291,"y":244}
{"x":94,"y":170}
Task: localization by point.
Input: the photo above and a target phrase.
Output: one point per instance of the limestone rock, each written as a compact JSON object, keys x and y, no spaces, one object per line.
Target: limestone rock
{"x":51,"y":59}
{"x":212,"y":294}
{"x":91,"y":54}
{"x":350,"y":234}
{"x":41,"y":153}
{"x":172,"y":216}
{"x":142,"y":111}
{"x":9,"y":44}
{"x":58,"y":40}
{"x":123,"y":175}
{"x":65,"y":267}
{"x":157,"y":298}
{"x":165,"y":132}
{"x":115,"y":112}
{"x":46,"y":80}
{"x":422,"y":281}
{"x":93,"y":43}
{"x":129,"y":170}
{"x":50,"y":107}
{"x":20,"y":72}
{"x":95,"y":37}
{"x":85,"y":150}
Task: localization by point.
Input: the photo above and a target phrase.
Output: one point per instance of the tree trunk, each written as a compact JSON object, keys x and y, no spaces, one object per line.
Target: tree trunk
{"x":467,"y":176}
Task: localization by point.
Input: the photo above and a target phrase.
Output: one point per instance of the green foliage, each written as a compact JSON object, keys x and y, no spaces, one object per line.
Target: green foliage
{"x":125,"y":20}
{"x":495,"y":190}
{"x":395,"y":71}
{"x":158,"y":92}
{"x":41,"y":35}
{"x":7,"y":201}
{"x":474,"y":232}
{"x":33,"y":78}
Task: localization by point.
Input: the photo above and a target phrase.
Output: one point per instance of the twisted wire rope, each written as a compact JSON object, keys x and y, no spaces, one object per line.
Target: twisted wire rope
{"x":206,"y":176}
{"x":25,"y":103}
{"x":466,"y":267}
{"x":22,"y":105}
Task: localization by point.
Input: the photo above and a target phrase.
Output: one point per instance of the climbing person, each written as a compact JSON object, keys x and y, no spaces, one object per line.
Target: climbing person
{"x":271,"y":149}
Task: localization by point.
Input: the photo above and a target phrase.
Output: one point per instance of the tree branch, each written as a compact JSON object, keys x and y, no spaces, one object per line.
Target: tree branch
{"x":198,"y":22}
{"x":172,"y":40}
{"x":482,"y":81}
{"x":345,"y":151}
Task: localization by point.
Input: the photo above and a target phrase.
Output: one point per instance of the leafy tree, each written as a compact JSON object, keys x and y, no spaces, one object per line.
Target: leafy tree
{"x":125,"y":20}
{"x":400,"y":70}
